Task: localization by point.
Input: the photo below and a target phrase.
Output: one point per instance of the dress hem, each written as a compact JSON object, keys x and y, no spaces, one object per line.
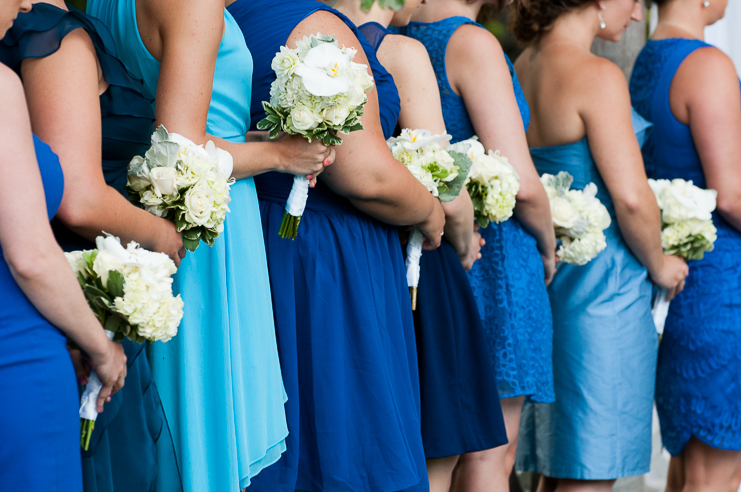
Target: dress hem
{"x":585,"y":476}
{"x":702,"y":440}
{"x":271,"y":456}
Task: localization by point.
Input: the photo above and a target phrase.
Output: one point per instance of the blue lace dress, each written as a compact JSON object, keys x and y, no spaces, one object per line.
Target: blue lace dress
{"x":39,"y":421}
{"x":698,"y":383}
{"x":508,"y":281}
{"x":342,"y":311}
{"x":121,"y":455}
{"x":461,"y":412}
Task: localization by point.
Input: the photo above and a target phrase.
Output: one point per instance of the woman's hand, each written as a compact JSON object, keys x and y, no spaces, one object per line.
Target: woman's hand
{"x":170,"y":242}
{"x":473,"y":252}
{"x":671,"y":275}
{"x":298,"y":156}
{"x":549,"y":265}
{"x":110,"y":366}
{"x":432,"y":227}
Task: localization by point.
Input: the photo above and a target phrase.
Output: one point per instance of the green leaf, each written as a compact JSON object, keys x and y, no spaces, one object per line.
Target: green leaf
{"x":180,"y":222}
{"x":394,"y":4}
{"x":116,"y":324}
{"x":190,"y":244}
{"x":453,"y":188}
{"x":115,"y":284}
{"x":192,"y":234}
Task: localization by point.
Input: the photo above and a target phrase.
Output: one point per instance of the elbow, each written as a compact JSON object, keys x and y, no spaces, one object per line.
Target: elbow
{"x":29,"y":264}
{"x":633,"y":205}
{"x":75,"y":214}
{"x":729,"y":206}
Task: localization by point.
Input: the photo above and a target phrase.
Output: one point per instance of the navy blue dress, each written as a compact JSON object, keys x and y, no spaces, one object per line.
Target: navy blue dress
{"x":121,"y":455}
{"x":461,"y":412}
{"x":698,"y":382}
{"x":39,"y":421}
{"x":342,"y":312}
{"x":508,"y":281}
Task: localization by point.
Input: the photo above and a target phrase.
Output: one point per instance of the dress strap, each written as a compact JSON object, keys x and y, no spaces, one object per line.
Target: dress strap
{"x":661,"y":106}
{"x":375,"y":33}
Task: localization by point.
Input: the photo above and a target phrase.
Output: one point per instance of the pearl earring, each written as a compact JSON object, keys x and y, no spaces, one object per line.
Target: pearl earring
{"x":706,"y":4}
{"x":602,"y":24}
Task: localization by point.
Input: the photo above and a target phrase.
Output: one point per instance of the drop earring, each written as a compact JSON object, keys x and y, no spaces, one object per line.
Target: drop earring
{"x":602,"y":24}
{"x":706,"y":4}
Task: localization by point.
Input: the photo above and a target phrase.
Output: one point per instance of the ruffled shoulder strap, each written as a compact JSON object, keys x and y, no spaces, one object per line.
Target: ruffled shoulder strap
{"x":39,"y":33}
{"x":374,"y":33}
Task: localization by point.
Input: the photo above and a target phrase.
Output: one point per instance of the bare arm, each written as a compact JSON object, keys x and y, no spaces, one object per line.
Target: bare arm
{"x":489,"y":96}
{"x":185,"y":36}
{"x":33,"y":256}
{"x":607,"y":118}
{"x":366,"y":172}
{"x":707,"y":88}
{"x":63,"y":99}
{"x":408,"y":62}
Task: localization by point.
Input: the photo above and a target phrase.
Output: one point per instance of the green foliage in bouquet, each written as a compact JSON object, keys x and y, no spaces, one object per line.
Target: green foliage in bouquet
{"x":449,"y":191}
{"x":278,"y":121}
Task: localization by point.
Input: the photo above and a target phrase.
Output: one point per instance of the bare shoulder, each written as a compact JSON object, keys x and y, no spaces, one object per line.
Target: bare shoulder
{"x":10,"y":84}
{"x":327,"y":23}
{"x":172,"y":17}
{"x":400,"y":53}
{"x":596,"y":79}
{"x":470,"y":35}
{"x":707,"y":67}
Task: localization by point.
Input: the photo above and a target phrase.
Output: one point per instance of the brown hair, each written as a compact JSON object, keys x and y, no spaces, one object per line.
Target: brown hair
{"x":531,"y":18}
{"x":489,"y":11}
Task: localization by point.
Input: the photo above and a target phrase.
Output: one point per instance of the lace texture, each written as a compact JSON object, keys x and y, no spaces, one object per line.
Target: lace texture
{"x":698,"y":387}
{"x":508,"y":280}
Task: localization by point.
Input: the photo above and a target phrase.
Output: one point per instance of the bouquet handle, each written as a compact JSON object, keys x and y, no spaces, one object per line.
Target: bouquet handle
{"x":414,"y":254}
{"x":295,"y":207}
{"x":660,"y":310}
{"x":88,"y":411}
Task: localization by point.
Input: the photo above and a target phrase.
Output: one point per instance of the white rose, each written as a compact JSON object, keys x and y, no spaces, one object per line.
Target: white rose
{"x":303,"y":119}
{"x":336,"y":115}
{"x":163,"y":180}
{"x":564,"y":214}
{"x":199,"y":203}
{"x":284,"y":64}
{"x":76,"y":261}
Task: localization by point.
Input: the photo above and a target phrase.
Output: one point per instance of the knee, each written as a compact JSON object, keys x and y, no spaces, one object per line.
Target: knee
{"x":482,"y":458}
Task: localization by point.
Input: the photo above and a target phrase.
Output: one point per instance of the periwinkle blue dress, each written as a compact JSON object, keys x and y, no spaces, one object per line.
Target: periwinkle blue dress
{"x":342,"y":311}
{"x":121,"y":455}
{"x":604,"y":351}
{"x":220,"y":377}
{"x":461,"y":412}
{"x":698,"y":382}
{"x":39,"y":421}
{"x":508,"y":281}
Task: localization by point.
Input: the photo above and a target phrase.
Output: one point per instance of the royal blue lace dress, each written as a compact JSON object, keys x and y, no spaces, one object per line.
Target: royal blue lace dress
{"x":508,"y":281}
{"x":698,"y":383}
{"x":342,"y":311}
{"x":39,"y":420}
{"x":461,"y":412}
{"x":121,"y":455}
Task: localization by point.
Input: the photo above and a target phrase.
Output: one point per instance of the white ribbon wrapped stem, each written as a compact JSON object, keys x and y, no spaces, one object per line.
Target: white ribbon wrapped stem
{"x":414,"y":253}
{"x":90,"y":395}
{"x":660,"y":310}
{"x":299,"y":194}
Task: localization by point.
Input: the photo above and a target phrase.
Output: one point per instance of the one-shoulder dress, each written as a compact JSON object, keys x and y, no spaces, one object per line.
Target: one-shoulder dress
{"x":461,"y":412}
{"x":343,"y":315}
{"x":121,"y":455}
{"x":220,"y":377}
{"x":39,"y":421}
{"x":698,"y":382}
{"x":604,"y":351}
{"x":508,"y":281}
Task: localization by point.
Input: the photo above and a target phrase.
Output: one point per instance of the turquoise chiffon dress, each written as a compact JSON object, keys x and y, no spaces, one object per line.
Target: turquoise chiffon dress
{"x":220,"y":378}
{"x":698,"y":382}
{"x":604,"y":351}
{"x":122,"y":452}
{"x":39,"y":420}
{"x":508,"y":282}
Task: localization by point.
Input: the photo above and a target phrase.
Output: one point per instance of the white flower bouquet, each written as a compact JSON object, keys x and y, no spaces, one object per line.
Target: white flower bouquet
{"x":687,"y":228}
{"x":578,"y":217}
{"x":492,"y":182}
{"x":130,"y":291}
{"x":185,"y":183}
{"x":443,"y":173}
{"x":319,"y":92}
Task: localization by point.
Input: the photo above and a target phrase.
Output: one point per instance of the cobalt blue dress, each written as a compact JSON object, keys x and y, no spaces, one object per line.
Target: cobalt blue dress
{"x":508,"y":281}
{"x":121,"y":455}
{"x":604,"y":351}
{"x":342,"y":312}
{"x":39,"y":420}
{"x":461,"y":412}
{"x":698,"y":388}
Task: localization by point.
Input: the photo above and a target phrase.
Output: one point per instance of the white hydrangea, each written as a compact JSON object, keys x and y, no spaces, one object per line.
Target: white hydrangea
{"x":579,"y":219}
{"x":422,"y":153}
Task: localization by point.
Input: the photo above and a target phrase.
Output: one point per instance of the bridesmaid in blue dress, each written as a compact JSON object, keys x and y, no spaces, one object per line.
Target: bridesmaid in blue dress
{"x":518,"y":259}
{"x":690,"y":92}
{"x":73,"y":104}
{"x":42,"y":305}
{"x":604,"y":341}
{"x":343,"y":314}
{"x":228,"y":422}
{"x":461,"y":412}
